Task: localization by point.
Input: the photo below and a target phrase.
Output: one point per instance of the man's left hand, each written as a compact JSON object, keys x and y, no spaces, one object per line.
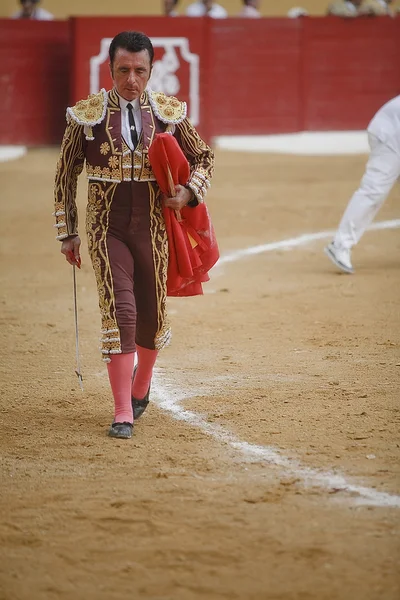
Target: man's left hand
{"x":182,"y":197}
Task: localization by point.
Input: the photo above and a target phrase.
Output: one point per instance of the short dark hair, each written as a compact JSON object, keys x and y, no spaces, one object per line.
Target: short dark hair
{"x":133,"y":41}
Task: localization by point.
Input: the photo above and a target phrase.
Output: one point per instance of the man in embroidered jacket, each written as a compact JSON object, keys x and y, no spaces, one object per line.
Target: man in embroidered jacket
{"x":112,"y":131}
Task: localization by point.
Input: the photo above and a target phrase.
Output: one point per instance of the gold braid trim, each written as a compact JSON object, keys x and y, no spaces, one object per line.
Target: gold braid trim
{"x":97,"y":222}
{"x":69,"y":167}
{"x":200,"y":157}
{"x":159,"y":245}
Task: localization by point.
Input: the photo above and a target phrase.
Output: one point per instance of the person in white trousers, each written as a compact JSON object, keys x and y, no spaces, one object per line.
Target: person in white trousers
{"x":381,"y":172}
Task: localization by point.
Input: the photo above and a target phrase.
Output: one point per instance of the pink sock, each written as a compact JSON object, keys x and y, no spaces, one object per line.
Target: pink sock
{"x":120,"y":375}
{"x":146,"y":360}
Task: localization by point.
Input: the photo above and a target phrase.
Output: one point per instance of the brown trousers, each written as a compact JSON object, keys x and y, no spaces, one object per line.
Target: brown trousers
{"x":129,"y":252}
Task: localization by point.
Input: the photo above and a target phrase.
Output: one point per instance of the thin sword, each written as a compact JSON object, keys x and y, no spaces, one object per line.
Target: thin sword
{"x":78,"y":361}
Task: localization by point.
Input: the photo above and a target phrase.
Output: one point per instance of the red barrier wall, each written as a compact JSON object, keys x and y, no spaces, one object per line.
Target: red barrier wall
{"x":238,"y":77}
{"x":254,"y":76}
{"x":349,"y":69}
{"x":34,"y":76}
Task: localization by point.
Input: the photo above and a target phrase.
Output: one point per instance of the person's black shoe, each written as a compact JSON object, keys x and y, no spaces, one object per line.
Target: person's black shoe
{"x":122,"y":431}
{"x":139,"y":406}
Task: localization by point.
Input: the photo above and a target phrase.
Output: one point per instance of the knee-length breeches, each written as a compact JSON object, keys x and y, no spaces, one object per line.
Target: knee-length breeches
{"x":129,"y":252}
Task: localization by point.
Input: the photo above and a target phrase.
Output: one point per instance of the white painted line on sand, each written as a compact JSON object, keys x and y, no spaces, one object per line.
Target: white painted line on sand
{"x":328,"y":480}
{"x":332,"y":482}
{"x":301,"y":240}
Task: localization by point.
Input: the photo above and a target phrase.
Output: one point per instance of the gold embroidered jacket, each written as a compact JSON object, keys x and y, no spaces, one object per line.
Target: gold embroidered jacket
{"x":93,"y":134}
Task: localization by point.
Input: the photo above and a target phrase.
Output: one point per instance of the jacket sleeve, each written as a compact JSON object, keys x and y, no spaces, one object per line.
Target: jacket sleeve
{"x":69,"y":167}
{"x":200,"y":157}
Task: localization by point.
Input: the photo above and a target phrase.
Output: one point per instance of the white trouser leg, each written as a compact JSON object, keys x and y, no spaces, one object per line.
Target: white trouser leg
{"x":381,"y":172}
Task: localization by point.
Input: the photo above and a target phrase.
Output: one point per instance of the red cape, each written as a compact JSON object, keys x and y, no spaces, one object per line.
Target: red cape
{"x":192,"y":245}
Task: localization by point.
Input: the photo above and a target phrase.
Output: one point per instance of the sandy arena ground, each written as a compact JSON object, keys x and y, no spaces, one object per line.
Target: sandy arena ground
{"x":282,"y":365}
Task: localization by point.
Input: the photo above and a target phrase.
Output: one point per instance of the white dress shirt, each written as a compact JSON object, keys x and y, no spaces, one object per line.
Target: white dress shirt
{"x":125,"y":126}
{"x":197,"y":9}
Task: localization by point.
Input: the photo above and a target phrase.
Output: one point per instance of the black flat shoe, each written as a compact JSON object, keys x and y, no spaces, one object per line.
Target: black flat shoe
{"x":122,"y":431}
{"x":139,"y":406}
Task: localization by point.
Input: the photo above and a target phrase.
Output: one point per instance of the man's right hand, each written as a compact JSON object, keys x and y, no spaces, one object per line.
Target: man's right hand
{"x":70,"y":248}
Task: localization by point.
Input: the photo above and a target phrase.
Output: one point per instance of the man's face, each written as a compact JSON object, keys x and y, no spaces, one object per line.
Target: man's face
{"x":28,"y":8}
{"x":130,"y":73}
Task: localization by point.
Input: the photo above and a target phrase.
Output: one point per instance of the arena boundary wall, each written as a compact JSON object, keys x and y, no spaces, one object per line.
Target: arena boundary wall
{"x":239,"y":77}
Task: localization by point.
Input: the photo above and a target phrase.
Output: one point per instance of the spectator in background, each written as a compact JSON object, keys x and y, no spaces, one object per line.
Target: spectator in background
{"x":30,"y":9}
{"x":169,"y":8}
{"x":296,"y":12}
{"x":206,"y":8}
{"x":344,"y":8}
{"x":378,"y":8}
{"x":250,"y":9}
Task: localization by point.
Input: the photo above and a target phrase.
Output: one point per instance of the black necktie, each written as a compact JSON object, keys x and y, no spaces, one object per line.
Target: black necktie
{"x":132,"y":127}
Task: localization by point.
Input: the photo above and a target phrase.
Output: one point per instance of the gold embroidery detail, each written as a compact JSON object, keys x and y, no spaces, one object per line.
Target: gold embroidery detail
{"x":113,"y":99}
{"x":111,"y":347}
{"x":108,"y":326}
{"x":94,"y":101}
{"x":200,"y":156}
{"x":168,"y":111}
{"x":105,"y":148}
{"x":62,"y":232}
{"x":113,"y":162}
{"x":121,"y":169}
{"x":100,"y":197}
{"x":69,"y":167}
{"x":160,"y":260}
{"x":90,"y":111}
{"x":167,"y":108}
